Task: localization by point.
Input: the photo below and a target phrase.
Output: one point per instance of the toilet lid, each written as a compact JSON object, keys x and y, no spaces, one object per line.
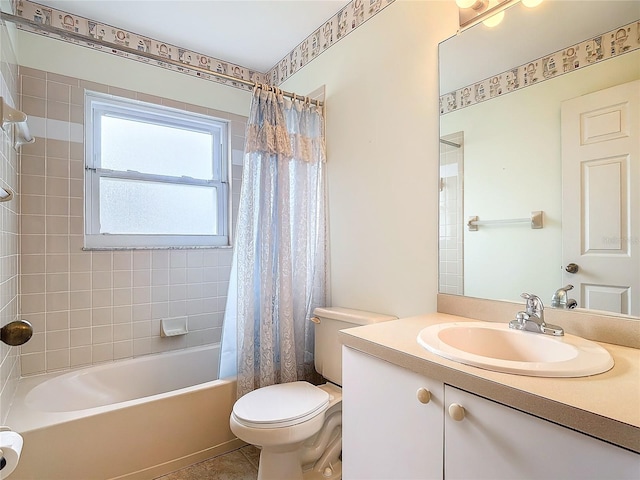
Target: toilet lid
{"x":281,"y":405}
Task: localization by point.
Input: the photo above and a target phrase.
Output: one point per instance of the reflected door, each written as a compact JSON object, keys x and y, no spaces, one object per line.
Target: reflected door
{"x":601,"y":199}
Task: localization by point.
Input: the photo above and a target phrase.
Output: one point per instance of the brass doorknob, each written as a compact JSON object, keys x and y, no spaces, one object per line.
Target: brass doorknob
{"x":572,"y":268}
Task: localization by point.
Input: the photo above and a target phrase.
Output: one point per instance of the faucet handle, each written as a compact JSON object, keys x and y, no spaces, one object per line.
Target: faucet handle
{"x":534,"y":304}
{"x":530,"y":297}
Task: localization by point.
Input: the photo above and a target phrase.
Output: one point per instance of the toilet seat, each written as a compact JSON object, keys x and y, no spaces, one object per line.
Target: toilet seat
{"x":281,"y":405}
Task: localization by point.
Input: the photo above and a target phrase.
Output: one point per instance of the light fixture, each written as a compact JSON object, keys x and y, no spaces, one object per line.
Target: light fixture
{"x":489,"y":12}
{"x":495,"y":18}
{"x":470,"y":4}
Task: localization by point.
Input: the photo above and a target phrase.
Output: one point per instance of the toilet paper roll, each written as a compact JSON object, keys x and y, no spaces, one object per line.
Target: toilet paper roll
{"x":11,"y":447}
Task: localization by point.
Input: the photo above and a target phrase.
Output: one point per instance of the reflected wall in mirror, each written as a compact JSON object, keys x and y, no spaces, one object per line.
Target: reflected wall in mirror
{"x":502,"y":153}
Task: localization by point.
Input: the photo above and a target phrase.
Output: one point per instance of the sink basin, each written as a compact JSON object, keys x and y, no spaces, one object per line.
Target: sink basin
{"x":494,"y":346}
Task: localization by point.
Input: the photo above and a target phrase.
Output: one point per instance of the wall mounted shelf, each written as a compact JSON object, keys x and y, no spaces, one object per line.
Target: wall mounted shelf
{"x":11,"y":116}
{"x":5,"y":194}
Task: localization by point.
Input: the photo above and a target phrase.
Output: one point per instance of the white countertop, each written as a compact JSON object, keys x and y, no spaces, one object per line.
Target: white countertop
{"x":606,"y":406}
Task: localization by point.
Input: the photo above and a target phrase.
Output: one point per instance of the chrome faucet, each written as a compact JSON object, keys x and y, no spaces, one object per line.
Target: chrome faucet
{"x":532,"y":319}
{"x":561,"y":299}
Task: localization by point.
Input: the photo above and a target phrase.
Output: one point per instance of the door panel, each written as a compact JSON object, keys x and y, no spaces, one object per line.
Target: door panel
{"x":601,"y":199}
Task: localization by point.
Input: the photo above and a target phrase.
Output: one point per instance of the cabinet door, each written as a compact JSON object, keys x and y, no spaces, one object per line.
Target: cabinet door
{"x":493,"y":441}
{"x":388,"y":433}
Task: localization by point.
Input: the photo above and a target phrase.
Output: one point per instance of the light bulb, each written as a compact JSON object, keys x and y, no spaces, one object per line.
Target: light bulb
{"x":465,"y":3}
{"x":531,"y":3}
{"x":494,"y":20}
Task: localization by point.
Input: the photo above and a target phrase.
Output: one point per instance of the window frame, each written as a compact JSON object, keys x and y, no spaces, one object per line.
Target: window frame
{"x":99,"y":104}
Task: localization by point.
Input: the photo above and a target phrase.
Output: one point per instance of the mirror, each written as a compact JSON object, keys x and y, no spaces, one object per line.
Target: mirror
{"x":501,"y":91}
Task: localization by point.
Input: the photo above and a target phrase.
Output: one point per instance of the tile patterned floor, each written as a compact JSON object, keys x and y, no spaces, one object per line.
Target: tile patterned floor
{"x":240,"y":464}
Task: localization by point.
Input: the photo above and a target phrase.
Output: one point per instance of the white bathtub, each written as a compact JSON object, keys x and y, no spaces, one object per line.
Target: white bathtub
{"x":132,"y":419}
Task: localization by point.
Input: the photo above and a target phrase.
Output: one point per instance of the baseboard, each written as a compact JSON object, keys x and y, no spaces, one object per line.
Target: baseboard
{"x":178,"y":463}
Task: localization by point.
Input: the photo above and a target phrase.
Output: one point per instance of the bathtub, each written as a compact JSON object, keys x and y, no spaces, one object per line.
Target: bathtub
{"x":130,"y":419}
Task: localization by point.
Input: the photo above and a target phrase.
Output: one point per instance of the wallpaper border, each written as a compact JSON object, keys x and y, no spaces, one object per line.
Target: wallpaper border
{"x":351,"y":16}
{"x":614,"y":43}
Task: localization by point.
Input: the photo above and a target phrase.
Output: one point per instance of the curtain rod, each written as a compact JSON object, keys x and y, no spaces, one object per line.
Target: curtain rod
{"x":76,"y":36}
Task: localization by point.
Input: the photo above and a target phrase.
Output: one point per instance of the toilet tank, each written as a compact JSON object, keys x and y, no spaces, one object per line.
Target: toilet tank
{"x":328,"y":349}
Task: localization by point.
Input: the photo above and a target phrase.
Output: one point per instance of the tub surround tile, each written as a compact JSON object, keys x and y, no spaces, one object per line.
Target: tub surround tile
{"x":111,"y":301}
{"x":80,"y":356}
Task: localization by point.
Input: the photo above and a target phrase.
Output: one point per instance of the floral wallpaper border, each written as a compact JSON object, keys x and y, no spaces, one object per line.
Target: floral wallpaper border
{"x":337,"y":27}
{"x":614,"y":43}
{"x":91,"y":29}
{"x":350,"y":17}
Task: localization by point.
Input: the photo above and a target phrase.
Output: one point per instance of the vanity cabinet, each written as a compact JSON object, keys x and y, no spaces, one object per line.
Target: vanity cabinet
{"x":493,"y":441}
{"x":390,"y":434}
{"x":387,"y":431}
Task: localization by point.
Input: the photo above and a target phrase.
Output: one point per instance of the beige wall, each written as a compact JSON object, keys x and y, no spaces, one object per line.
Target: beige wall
{"x":382,"y":142}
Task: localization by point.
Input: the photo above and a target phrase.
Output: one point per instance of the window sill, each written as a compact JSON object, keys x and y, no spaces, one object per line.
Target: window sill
{"x":195,"y":247}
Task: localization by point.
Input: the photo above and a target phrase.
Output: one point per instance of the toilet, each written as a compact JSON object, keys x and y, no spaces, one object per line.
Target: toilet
{"x":298,"y":425}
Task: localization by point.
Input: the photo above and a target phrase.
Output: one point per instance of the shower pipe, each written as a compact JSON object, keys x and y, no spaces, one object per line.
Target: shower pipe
{"x":76,"y":36}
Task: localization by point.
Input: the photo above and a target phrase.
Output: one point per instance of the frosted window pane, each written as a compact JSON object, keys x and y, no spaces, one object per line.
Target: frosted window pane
{"x":157,"y":149}
{"x":135,"y":207}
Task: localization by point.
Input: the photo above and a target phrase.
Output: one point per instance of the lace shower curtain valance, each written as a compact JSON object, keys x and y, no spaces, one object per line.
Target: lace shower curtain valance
{"x":278,"y":125}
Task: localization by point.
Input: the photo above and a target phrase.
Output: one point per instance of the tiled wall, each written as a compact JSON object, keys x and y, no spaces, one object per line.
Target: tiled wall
{"x":90,"y":307}
{"x":9,"y":365}
{"x":451,"y":246}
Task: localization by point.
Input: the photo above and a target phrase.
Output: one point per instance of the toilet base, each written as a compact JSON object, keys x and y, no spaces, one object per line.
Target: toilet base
{"x":279,"y":465}
{"x":335,"y":473}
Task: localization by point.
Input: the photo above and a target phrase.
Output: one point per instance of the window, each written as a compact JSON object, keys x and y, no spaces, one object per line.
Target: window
{"x":155,"y":176}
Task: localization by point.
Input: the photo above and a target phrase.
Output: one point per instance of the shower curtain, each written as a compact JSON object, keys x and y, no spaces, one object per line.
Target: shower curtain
{"x":279,"y":271}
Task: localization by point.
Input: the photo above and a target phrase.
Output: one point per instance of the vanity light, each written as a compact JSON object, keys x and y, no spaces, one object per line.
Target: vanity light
{"x":494,"y":20}
{"x":477,"y":5}
{"x":489,"y":12}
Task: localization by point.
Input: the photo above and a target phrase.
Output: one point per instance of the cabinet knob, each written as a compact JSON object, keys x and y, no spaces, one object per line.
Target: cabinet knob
{"x":456,"y":412}
{"x":424,"y":395}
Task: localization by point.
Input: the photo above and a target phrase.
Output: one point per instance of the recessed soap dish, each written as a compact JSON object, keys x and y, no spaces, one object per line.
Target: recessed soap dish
{"x":171,"y":327}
